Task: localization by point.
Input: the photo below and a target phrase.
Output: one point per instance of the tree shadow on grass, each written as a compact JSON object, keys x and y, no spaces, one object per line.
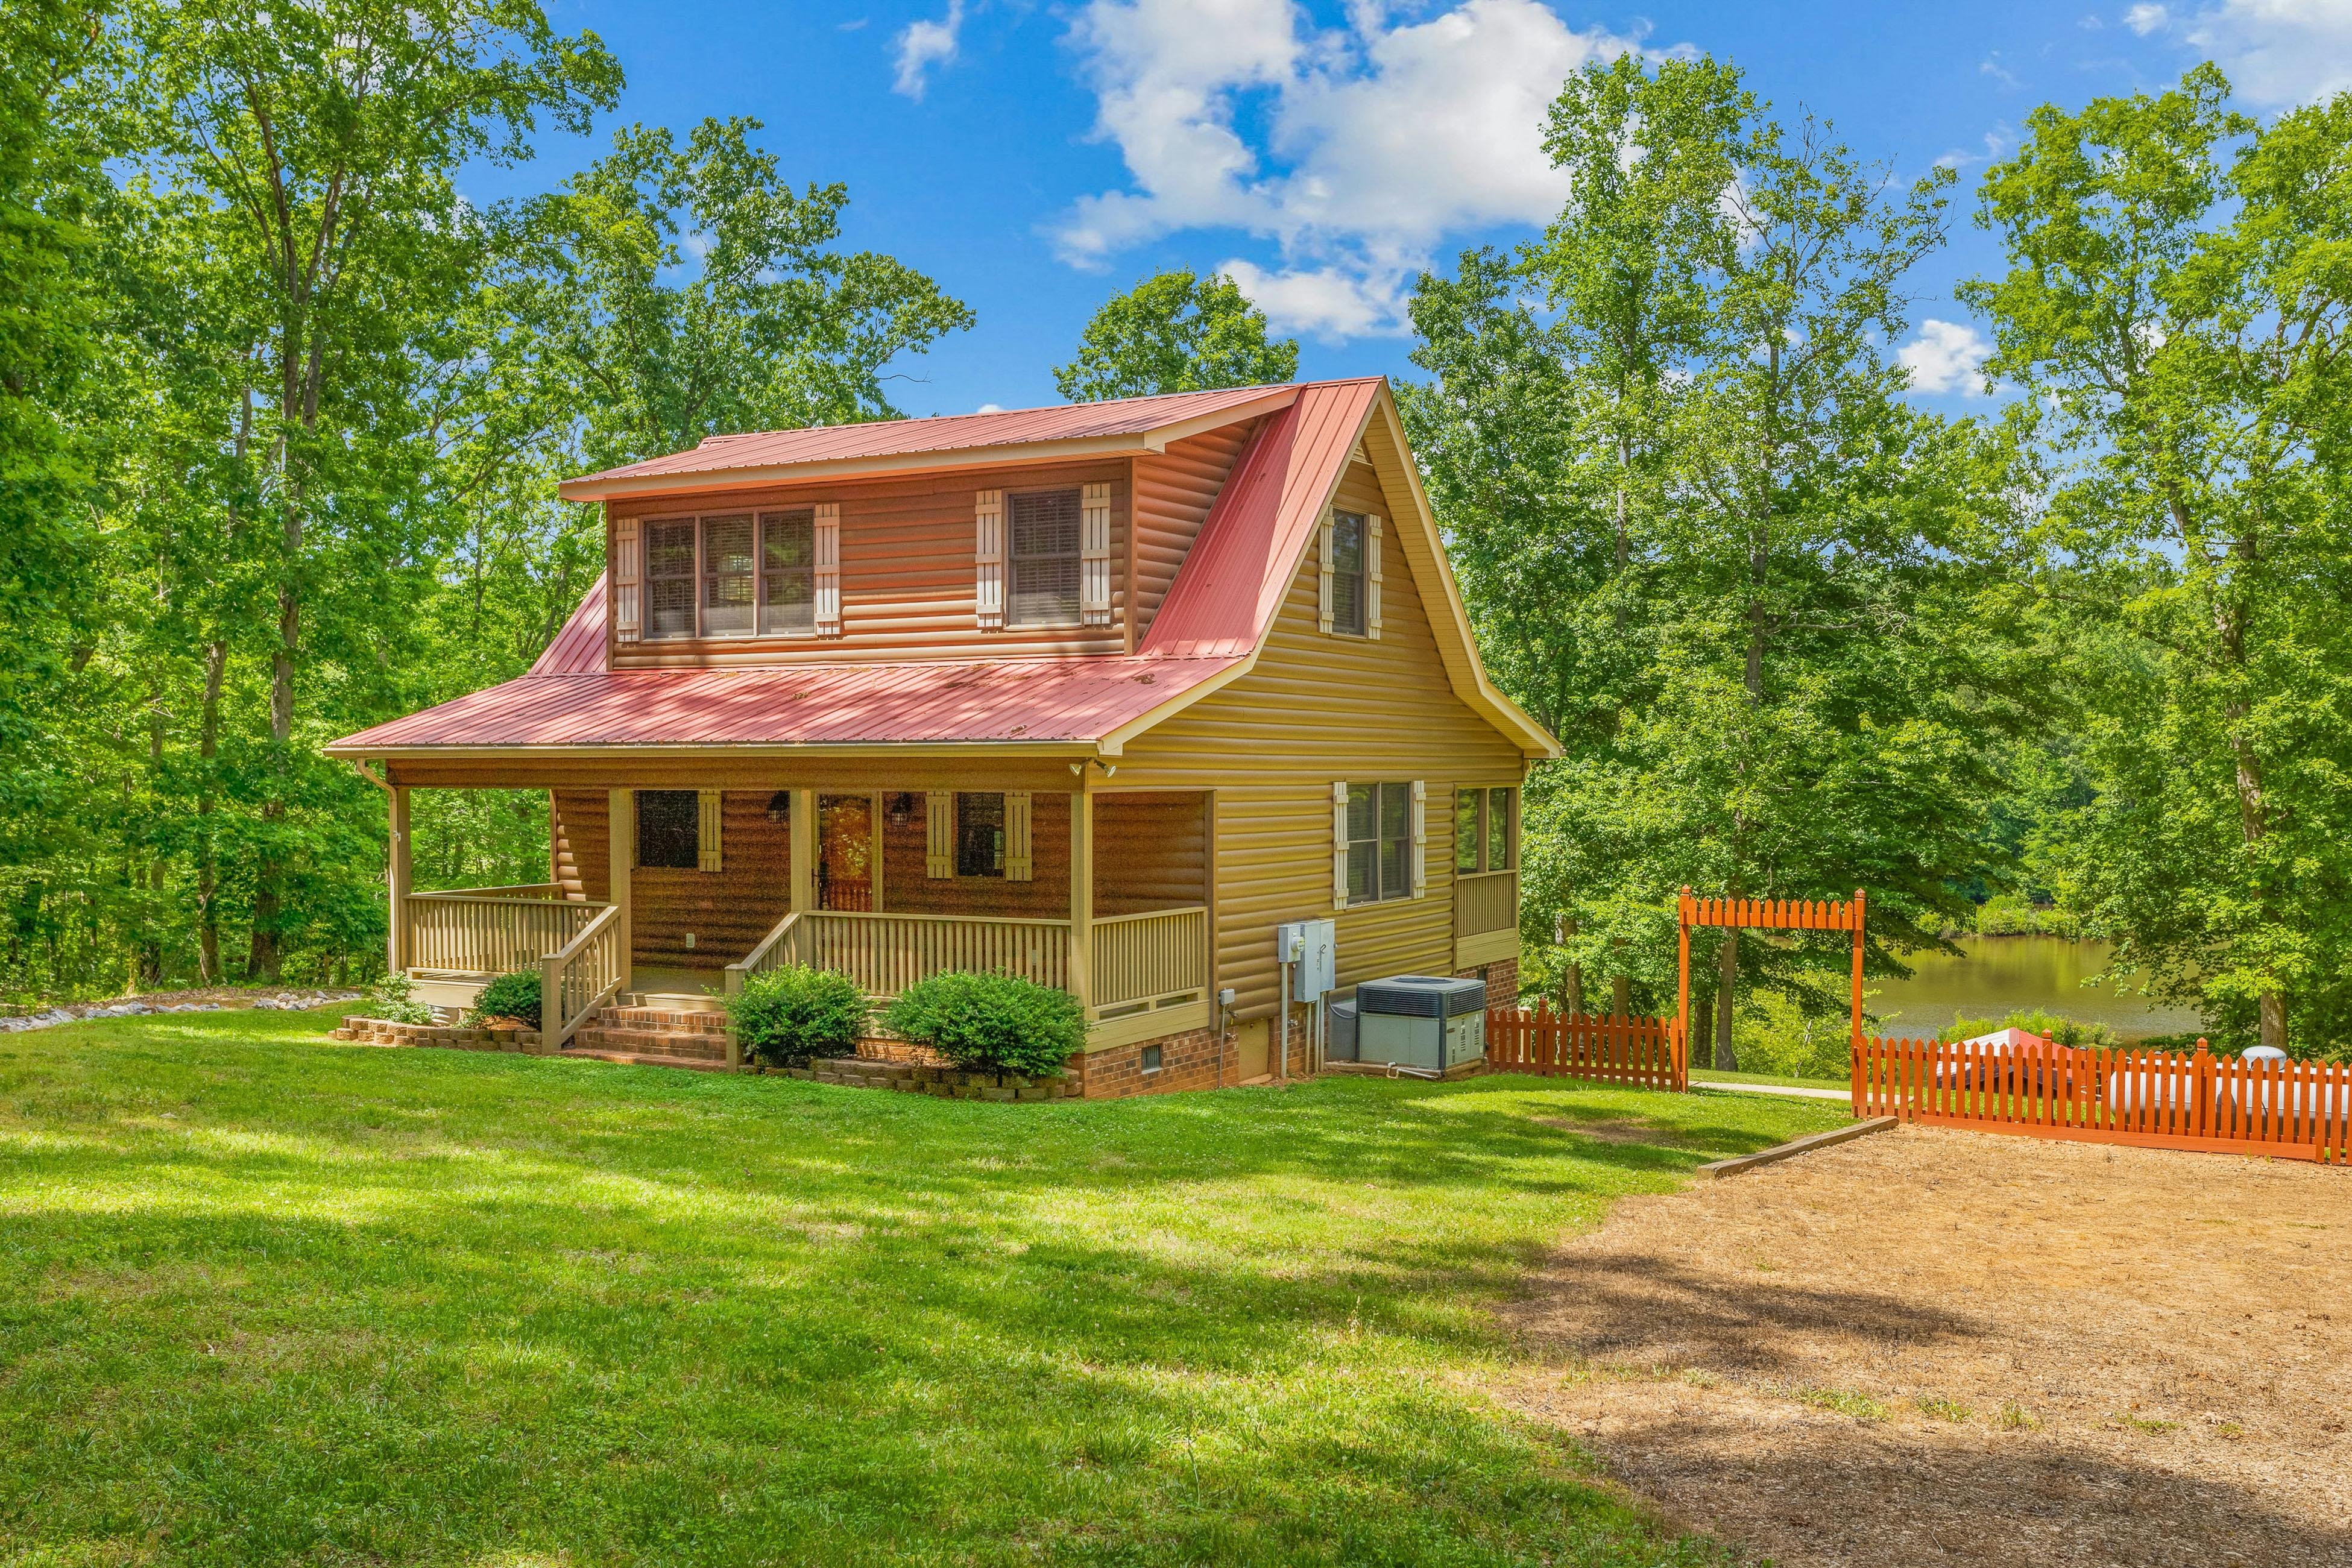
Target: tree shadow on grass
{"x":1839,"y":1493}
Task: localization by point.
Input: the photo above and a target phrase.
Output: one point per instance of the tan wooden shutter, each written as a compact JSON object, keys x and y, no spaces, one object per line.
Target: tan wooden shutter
{"x":1020,"y":865}
{"x":938,"y":840}
{"x":1094,"y":555}
{"x":988,"y":550}
{"x":1339,"y":845}
{"x":1323,"y":556}
{"x":1373,"y":580}
{"x":706,"y":837}
{"x":1420,"y":838}
{"x":628,"y":572}
{"x":828,"y":569}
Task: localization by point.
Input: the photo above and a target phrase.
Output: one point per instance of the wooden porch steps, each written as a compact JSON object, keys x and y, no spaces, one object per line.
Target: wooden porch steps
{"x":654,"y":1037}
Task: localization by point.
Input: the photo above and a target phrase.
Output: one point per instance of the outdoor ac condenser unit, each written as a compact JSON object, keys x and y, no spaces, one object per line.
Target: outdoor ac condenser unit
{"x":1433,"y":1022}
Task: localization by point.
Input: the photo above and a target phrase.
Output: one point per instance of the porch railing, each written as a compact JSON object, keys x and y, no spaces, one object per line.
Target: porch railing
{"x":1137,"y":958}
{"x":1149,"y":957}
{"x":885,"y":953}
{"x":1485,"y":901}
{"x":579,"y":977}
{"x":492,"y":930}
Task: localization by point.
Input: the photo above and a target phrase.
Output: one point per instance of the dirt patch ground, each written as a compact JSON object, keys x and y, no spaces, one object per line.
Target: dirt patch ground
{"x":1943,"y":1347}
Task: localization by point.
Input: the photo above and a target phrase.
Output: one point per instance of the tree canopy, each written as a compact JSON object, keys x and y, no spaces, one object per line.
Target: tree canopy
{"x":1175,"y":332}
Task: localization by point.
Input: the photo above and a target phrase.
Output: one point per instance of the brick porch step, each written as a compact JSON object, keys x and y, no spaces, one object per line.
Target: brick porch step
{"x":691,"y":1045}
{"x":665,"y":1019}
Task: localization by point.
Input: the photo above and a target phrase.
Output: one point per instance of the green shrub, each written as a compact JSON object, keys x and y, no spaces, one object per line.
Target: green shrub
{"x":789,"y":1016}
{"x":390,"y":1000}
{"x":998,"y":1023}
{"x":2062,"y":1031}
{"x":514,"y":996}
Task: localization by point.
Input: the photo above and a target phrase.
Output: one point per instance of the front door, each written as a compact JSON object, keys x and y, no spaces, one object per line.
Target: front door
{"x":846,"y":869}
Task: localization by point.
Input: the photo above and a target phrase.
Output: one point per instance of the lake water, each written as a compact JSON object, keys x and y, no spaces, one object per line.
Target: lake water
{"x":1997,"y":975}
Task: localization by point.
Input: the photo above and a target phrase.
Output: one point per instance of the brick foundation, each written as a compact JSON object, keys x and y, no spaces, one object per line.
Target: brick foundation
{"x":453,"y":1037}
{"x":1502,"y":977}
{"x":1200,"y":1059}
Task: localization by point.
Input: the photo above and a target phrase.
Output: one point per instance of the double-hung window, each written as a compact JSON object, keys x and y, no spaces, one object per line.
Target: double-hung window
{"x":737,"y":575}
{"x":1044,"y":529}
{"x":980,"y":834}
{"x":1348,"y":599}
{"x":1380,"y":842}
{"x":788,"y":573}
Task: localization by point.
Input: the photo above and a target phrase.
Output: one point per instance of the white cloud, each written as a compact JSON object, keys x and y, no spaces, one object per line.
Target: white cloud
{"x":1356,"y":149}
{"x":1990,"y":66}
{"x":1327,"y":302}
{"x":990,"y":408}
{"x":1946,"y":356}
{"x":2276,"y":52}
{"x":922,"y":45}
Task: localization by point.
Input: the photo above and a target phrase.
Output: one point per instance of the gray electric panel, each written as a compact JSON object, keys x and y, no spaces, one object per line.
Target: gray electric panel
{"x":1431,"y":1021}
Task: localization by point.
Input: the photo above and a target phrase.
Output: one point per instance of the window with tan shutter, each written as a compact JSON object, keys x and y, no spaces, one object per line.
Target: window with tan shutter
{"x":669,"y":579}
{"x":788,"y":573}
{"x":1383,"y":848}
{"x":1347,"y":581}
{"x":1043,"y":559}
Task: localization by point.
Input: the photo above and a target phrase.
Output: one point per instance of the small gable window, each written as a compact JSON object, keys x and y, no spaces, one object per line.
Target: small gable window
{"x":1347,"y":596}
{"x":1045,"y":557}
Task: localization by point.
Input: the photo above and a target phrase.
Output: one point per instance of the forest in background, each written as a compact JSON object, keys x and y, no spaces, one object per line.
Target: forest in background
{"x":281,"y":416}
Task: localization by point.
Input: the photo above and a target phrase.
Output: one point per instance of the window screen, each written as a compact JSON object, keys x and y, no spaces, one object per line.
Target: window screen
{"x":1045,"y":558}
{"x":979,"y":835}
{"x":1380,"y":842}
{"x":669,"y":829}
{"x":1498,"y":830}
{"x":1468,"y":804}
{"x":1347,"y":573}
{"x":728,"y":568}
{"x":788,"y":573}
{"x":670,"y":579}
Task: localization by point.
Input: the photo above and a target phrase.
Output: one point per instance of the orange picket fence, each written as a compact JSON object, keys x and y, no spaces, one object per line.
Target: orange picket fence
{"x":1648,"y":1051}
{"x":2227,"y":1104}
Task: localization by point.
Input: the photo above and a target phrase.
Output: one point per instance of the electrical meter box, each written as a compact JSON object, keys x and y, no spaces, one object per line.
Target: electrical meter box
{"x":1434,"y":1022}
{"x":1312,"y":947}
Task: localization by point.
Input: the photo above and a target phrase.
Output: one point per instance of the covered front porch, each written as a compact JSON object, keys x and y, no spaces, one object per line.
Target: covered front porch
{"x":672,"y":898}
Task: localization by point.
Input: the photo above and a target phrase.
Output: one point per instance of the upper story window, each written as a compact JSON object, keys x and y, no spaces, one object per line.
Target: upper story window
{"x":1347,"y":596}
{"x":1380,"y":842}
{"x":737,"y":575}
{"x":788,"y":573}
{"x":1485,"y":831}
{"x":1044,"y":558}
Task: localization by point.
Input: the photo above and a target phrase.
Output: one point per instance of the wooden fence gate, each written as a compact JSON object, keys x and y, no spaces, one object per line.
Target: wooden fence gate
{"x":1770,"y":915}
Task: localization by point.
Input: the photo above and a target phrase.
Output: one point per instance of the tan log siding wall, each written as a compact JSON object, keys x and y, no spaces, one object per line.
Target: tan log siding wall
{"x":1319,"y":709}
{"x":728,"y":910}
{"x":1151,"y":851}
{"x":1173,"y":492}
{"x":584,"y":822}
{"x":1046,"y":896}
{"x":562,"y":852}
{"x":908,"y":571}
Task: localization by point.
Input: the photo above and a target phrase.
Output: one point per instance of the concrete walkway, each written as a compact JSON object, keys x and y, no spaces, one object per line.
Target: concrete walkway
{"x":1793,"y":1090}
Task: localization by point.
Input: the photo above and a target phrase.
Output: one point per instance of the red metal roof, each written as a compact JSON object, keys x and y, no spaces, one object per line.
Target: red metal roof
{"x":1018,"y":700}
{"x":1230,"y":586}
{"x":1224,"y":598}
{"x":1138,"y":418}
{"x":579,"y":648}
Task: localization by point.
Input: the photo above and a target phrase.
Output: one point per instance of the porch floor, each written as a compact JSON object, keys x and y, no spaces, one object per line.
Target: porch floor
{"x":682,"y":990}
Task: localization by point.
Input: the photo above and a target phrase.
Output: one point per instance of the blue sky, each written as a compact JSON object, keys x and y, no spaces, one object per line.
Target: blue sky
{"x":1037,"y":158}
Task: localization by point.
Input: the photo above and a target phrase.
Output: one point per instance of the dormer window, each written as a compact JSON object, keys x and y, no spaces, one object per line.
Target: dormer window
{"x":772,"y":574}
{"x":1045,"y":557}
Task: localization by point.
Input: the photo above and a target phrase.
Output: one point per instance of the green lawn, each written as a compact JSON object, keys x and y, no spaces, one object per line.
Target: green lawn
{"x":268,"y":1299}
{"x":1709,"y":1075}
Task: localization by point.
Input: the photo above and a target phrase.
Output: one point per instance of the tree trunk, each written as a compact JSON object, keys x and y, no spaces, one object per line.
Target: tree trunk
{"x":1726,"y":984}
{"x":150,"y":943}
{"x":1621,"y":1000}
{"x":208,"y":961}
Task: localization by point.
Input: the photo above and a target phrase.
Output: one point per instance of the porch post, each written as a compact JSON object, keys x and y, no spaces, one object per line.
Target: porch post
{"x":1082,"y":897}
{"x":804,"y":851}
{"x":396,"y":877}
{"x":620,"y":854}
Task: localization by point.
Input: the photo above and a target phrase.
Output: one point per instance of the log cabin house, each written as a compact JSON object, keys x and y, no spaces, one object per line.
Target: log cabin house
{"x":1098,"y":694}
